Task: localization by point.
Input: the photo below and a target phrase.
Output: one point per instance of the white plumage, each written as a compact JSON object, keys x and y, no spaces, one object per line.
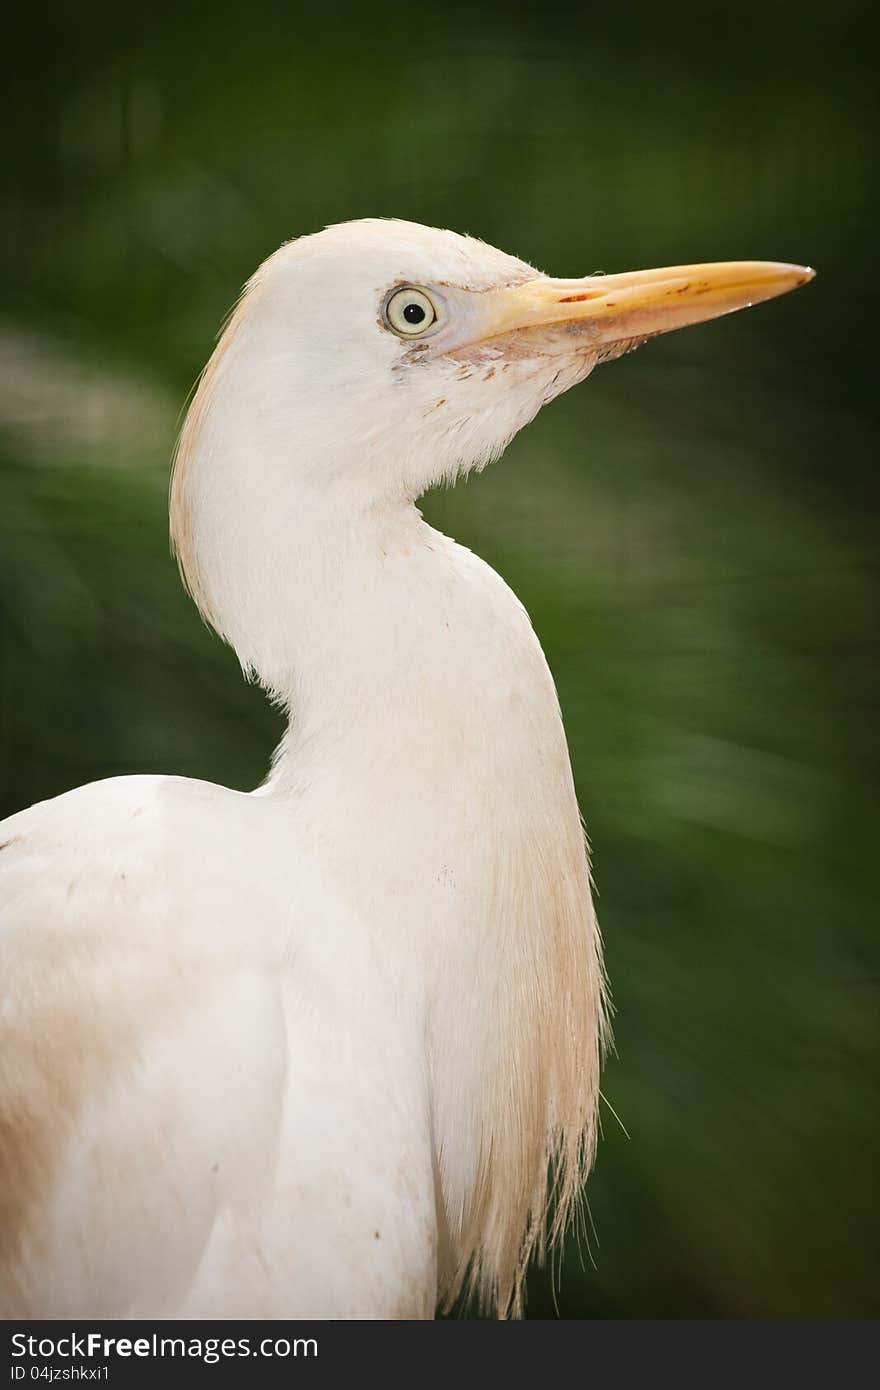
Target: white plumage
{"x":309,"y":1051}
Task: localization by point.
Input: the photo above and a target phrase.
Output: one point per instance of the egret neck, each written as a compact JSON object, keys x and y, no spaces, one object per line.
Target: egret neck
{"x":425,"y":771}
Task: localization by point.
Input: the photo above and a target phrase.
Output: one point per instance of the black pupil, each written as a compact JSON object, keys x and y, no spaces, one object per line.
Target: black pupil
{"x":414,"y":313}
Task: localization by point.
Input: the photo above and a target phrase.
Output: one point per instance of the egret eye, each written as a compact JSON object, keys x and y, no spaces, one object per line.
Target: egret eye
{"x":409,"y":312}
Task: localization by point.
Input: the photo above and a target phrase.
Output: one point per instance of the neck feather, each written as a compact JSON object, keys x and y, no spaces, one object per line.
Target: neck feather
{"x":429,"y":714}
{"x":428,"y":765}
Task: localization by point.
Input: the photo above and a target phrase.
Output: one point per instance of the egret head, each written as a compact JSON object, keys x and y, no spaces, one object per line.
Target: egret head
{"x":373,"y":359}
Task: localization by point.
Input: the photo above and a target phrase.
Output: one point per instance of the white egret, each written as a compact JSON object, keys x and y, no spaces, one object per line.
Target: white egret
{"x":311,"y":1051}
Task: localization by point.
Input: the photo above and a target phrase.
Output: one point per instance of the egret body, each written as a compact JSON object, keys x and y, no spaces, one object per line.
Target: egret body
{"x":312,"y":1051}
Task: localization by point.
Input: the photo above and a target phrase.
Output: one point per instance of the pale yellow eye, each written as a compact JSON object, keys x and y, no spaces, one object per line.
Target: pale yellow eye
{"x":409,"y":312}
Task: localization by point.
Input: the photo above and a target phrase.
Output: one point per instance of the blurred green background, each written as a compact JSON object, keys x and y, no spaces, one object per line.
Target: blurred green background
{"x":694,"y":531}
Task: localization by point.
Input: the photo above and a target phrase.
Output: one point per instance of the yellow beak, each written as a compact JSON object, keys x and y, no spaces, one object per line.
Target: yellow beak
{"x":606,"y":309}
